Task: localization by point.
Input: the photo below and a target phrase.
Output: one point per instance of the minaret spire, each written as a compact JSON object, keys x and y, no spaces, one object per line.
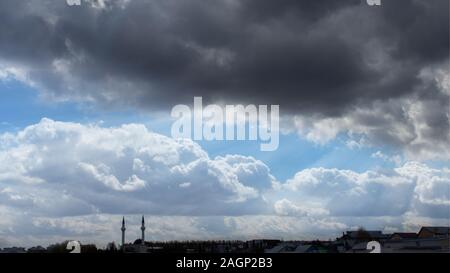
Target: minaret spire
{"x":123,"y":232}
{"x":143,"y":231}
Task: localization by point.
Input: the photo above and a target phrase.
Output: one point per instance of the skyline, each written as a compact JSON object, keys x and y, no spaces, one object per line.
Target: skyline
{"x":360,"y":240}
{"x":86,"y":94}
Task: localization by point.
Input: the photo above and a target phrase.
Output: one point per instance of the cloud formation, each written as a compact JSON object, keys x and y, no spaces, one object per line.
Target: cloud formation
{"x":90,"y":169}
{"x":342,"y":60}
{"x":61,"y":179}
{"x":411,"y":188}
{"x":417,"y":126}
{"x":379,"y":76}
{"x":303,"y":56}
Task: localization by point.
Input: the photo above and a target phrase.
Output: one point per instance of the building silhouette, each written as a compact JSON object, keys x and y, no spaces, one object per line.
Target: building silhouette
{"x":139,"y":245}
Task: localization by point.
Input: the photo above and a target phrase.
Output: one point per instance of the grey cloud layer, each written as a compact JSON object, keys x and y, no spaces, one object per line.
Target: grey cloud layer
{"x":339,"y":60}
{"x":320,"y":56}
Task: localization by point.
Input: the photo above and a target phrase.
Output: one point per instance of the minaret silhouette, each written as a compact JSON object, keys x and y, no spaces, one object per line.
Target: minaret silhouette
{"x":143,"y":231}
{"x":123,"y":232}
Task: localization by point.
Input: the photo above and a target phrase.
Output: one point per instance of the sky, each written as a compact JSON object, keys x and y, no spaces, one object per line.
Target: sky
{"x":86,"y":94}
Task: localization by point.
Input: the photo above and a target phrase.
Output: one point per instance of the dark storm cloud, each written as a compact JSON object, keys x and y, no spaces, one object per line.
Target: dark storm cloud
{"x":317,"y":56}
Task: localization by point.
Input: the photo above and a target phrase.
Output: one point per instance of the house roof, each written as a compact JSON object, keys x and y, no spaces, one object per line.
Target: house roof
{"x":371,"y":233}
{"x":436,"y":230}
{"x":360,"y":246}
{"x":405,"y":235}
